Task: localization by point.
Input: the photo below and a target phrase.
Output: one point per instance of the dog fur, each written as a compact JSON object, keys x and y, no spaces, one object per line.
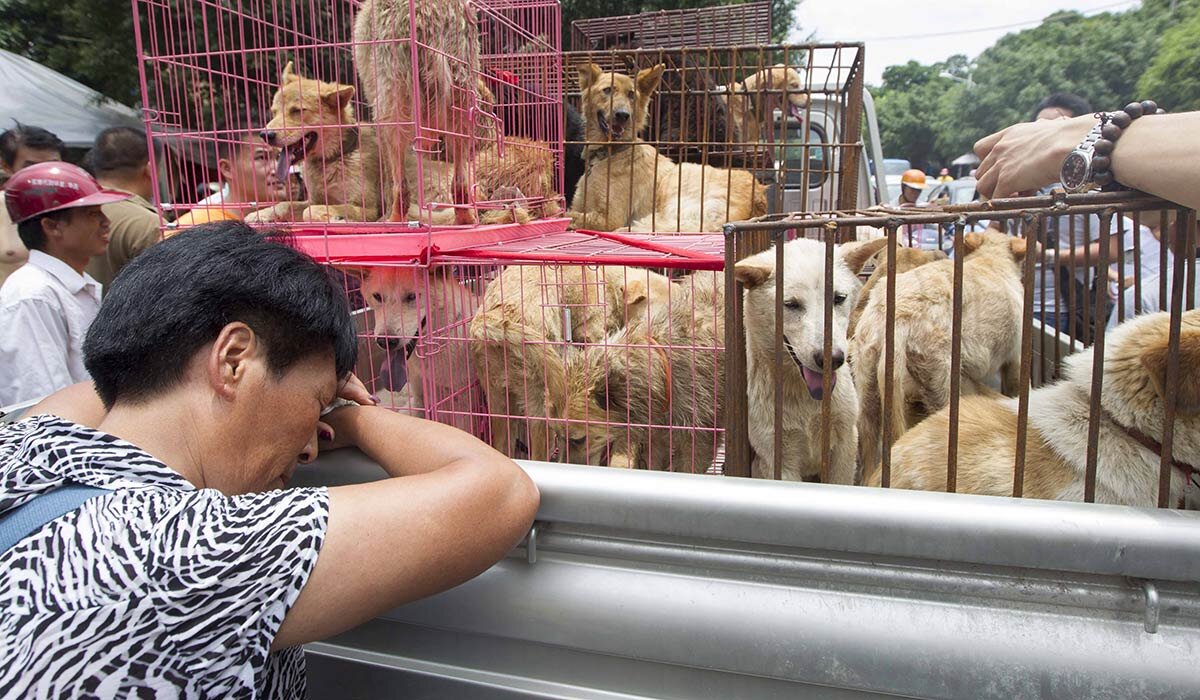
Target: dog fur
{"x":314,"y":121}
{"x":446,"y":74}
{"x":800,"y":375}
{"x":991,"y":337}
{"x":517,"y":339}
{"x":666,"y":368}
{"x":1132,"y":393}
{"x":746,"y":116}
{"x":434,"y":309}
{"x":628,"y":184}
{"x":906,"y":259}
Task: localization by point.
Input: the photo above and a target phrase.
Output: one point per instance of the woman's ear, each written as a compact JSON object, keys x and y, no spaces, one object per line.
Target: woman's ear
{"x":229,"y":357}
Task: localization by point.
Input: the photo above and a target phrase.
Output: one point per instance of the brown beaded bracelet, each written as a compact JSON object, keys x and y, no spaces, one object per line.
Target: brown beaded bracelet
{"x":1113,"y":124}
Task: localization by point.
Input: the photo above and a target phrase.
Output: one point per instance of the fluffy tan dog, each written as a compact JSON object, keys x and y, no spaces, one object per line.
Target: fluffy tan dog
{"x":519,"y":338}
{"x":906,"y":259}
{"x":991,"y":337}
{"x":313,"y":121}
{"x":628,"y":184}
{"x":652,"y":395}
{"x":446,"y":74}
{"x":746,"y":116}
{"x":801,"y":376}
{"x":1132,"y":395}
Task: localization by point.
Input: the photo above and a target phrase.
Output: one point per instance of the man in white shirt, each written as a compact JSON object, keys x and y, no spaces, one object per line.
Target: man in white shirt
{"x":48,"y":304}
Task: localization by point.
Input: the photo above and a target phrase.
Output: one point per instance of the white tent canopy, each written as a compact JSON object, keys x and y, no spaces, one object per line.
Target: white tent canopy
{"x":38,"y":96}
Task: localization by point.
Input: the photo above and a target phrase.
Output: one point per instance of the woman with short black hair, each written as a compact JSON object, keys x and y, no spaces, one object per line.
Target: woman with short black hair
{"x":189,"y":570}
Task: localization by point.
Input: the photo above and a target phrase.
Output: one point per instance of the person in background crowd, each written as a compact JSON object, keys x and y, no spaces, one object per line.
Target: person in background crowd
{"x":1061,"y":105}
{"x":21,"y":146}
{"x":120,"y":158}
{"x":912,"y":183}
{"x":945,"y":176}
{"x":47,"y":306}
{"x":247,"y":167}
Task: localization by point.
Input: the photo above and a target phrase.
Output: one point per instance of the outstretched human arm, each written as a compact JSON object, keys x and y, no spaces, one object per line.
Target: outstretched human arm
{"x":1157,"y":154}
{"x":453,"y":508}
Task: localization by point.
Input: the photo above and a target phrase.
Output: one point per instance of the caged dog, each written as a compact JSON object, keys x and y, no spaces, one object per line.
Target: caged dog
{"x":446,"y":75}
{"x":1132,"y":396}
{"x":627,"y":184}
{"x":529,"y":317}
{"x":425,"y":315}
{"x":801,"y":376}
{"x":991,"y":337}
{"x":740,"y":98}
{"x":312,"y":122}
{"x":652,"y":395}
{"x":906,"y":259}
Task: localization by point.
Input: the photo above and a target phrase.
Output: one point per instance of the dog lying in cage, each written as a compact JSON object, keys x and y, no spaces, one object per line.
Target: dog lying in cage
{"x":424,"y":314}
{"x":446,"y":75}
{"x":801,"y":380}
{"x":651,"y":396}
{"x":528,"y":320}
{"x":313,"y":123}
{"x":629,"y":185}
{"x":1132,"y":398}
{"x":991,"y":335}
{"x":745,"y":100}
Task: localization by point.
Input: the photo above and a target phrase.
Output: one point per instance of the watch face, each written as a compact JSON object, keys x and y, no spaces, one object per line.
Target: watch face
{"x":1075,"y":171}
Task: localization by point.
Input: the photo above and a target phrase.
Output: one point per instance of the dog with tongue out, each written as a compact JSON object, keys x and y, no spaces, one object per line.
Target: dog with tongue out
{"x":803,"y":380}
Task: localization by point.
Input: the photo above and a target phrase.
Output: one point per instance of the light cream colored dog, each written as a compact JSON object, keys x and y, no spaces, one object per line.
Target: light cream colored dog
{"x":1132,"y":396}
{"x":425,"y":314}
{"x":652,"y":395}
{"x":906,"y":259}
{"x":628,"y":184}
{"x":528,"y":320}
{"x":746,"y":99}
{"x":801,"y":376}
{"x":991,"y":337}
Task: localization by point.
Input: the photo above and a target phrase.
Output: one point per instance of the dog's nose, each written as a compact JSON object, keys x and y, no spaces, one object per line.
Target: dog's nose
{"x":387,"y":342}
{"x":268,"y":136}
{"x":620,"y":117}
{"x":838,"y":357}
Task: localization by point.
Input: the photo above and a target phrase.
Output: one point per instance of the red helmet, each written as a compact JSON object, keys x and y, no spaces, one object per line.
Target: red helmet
{"x":46,"y":187}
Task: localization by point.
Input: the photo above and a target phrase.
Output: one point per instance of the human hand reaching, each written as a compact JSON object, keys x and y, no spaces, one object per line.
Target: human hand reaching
{"x":1027,"y":156}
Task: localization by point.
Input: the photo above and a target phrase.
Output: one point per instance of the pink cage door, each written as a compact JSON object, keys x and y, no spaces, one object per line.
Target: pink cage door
{"x":424,"y":120}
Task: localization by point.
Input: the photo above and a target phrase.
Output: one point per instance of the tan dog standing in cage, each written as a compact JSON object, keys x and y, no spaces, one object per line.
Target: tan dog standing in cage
{"x":651,"y":396}
{"x":530,"y":319}
{"x":801,"y":380}
{"x":313,"y":123}
{"x":445,"y":79}
{"x":1132,"y":397}
{"x":991,"y":337}
{"x":424,"y":314}
{"x":629,"y":185}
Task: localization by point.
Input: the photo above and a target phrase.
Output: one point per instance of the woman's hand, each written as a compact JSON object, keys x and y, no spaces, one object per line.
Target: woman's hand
{"x":1027,"y":156}
{"x":353,"y":394}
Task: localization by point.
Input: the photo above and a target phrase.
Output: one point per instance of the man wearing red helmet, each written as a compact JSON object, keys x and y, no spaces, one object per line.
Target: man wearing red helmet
{"x":48,"y":304}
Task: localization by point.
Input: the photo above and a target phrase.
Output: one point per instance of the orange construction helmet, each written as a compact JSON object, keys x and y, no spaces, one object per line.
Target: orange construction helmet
{"x":913,"y":178}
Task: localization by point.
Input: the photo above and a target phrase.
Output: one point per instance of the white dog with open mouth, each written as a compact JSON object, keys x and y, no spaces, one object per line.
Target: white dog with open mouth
{"x":801,"y":376}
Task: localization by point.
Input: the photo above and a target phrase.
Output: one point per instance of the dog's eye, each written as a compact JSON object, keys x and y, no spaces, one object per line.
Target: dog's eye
{"x":838,"y":298}
{"x":792,"y":304}
{"x":630,"y":94}
{"x":294,"y":112}
{"x":607,"y":91}
{"x":578,"y":441}
{"x":411,"y":296}
{"x":377,"y":297}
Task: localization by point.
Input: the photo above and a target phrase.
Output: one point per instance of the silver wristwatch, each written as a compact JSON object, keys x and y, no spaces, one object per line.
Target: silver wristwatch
{"x":1076,"y":172}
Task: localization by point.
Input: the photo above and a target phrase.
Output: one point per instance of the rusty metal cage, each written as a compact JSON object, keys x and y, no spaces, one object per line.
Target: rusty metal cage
{"x":1128,"y":265}
{"x":723,"y":25}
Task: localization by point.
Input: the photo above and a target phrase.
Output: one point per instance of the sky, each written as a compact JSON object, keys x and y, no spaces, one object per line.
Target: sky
{"x":897,"y":31}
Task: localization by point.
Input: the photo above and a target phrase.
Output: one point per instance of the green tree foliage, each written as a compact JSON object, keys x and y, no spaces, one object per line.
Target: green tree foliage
{"x":1173,"y":78}
{"x":1101,"y":58}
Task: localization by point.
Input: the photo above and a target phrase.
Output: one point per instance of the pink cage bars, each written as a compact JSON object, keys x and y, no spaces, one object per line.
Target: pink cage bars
{"x":347,"y":120}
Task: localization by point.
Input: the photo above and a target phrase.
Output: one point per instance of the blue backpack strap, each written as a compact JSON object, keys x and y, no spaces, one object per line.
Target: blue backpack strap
{"x":26,"y":519}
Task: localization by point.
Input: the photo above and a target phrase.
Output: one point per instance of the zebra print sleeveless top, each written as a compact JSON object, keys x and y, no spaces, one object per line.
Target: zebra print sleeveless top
{"x":158,"y":590}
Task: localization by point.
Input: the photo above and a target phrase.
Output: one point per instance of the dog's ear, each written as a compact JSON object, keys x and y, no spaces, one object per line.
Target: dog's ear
{"x":1020,"y":247}
{"x":753,"y":272}
{"x":648,"y":79}
{"x":589,"y":73}
{"x":289,"y":74}
{"x":340,"y":97}
{"x":635,"y":291}
{"x":972,"y":242}
{"x":1188,"y":380}
{"x":858,"y":256}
